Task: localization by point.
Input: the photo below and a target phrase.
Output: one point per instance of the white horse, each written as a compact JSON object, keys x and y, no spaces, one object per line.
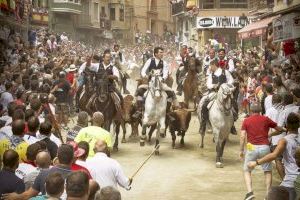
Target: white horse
{"x":221,"y":119}
{"x":155,"y":108}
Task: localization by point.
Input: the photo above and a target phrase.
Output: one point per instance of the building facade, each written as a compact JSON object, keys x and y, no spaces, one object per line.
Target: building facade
{"x":148,"y":16}
{"x":225,"y":18}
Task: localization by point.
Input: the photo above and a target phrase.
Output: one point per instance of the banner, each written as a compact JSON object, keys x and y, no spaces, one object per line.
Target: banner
{"x":217,"y":22}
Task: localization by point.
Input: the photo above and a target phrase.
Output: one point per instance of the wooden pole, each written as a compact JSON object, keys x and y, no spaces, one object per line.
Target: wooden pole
{"x":144,"y":162}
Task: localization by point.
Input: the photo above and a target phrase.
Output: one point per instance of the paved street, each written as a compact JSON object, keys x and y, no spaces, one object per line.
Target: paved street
{"x":186,"y":172}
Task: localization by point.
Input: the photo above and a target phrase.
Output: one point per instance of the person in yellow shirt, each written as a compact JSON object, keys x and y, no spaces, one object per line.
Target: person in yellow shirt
{"x":16,"y":141}
{"x":93,"y":133}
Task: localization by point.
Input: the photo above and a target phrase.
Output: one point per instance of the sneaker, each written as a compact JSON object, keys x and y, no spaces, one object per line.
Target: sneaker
{"x":249,"y":196}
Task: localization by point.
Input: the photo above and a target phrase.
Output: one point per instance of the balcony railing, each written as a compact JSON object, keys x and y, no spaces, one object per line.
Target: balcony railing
{"x":69,"y":7}
{"x":118,"y":25}
{"x":86,"y":21}
{"x":40,"y":18}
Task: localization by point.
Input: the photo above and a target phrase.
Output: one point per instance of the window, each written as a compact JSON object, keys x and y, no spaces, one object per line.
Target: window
{"x":186,"y":25}
{"x":121,"y":17}
{"x":103,"y":14}
{"x":207,"y":4}
{"x":96,"y":11}
{"x":233,"y":3}
{"x":70,"y":1}
{"x":153,"y":5}
{"x":112,"y":15}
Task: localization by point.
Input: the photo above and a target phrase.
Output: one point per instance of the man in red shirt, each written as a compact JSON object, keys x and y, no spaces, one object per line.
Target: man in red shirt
{"x":255,"y":130}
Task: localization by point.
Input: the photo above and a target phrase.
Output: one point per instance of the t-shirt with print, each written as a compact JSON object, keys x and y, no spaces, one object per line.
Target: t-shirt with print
{"x":62,"y":93}
{"x":39,"y":182}
{"x":16,"y":143}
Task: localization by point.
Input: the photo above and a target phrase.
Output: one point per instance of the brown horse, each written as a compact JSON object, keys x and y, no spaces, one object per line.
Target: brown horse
{"x":84,"y":94}
{"x":190,"y":85}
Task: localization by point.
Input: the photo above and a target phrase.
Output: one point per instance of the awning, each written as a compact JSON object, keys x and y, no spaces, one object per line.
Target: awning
{"x":255,"y":29}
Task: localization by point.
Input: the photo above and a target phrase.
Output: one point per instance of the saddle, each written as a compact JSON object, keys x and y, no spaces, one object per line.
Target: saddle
{"x":211,"y":97}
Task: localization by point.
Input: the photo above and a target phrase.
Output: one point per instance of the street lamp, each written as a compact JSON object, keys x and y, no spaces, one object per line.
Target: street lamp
{"x":225,"y":21}
{"x":243,"y":20}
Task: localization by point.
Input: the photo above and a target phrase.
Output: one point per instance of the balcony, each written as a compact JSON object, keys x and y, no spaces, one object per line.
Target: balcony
{"x":66,"y":6}
{"x":87,"y":22}
{"x":118,"y":25}
{"x":115,"y":1}
{"x":40,"y":18}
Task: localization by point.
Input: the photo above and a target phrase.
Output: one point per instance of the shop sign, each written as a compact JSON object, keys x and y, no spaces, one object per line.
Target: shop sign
{"x":218,"y":22}
{"x":286,"y":27}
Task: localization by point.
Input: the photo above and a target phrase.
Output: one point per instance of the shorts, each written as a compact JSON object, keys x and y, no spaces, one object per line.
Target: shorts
{"x":62,"y":108}
{"x":272,"y":148}
{"x":257,"y":152}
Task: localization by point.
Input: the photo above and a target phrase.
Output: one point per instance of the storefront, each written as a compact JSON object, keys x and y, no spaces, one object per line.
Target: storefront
{"x":223,"y":29}
{"x":287,"y":30}
{"x":255,"y":31}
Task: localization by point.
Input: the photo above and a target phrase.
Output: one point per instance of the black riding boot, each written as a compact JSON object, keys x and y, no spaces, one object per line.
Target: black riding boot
{"x":124,"y":82}
{"x":179,"y":89}
{"x":233,"y":130}
{"x":204,"y":117}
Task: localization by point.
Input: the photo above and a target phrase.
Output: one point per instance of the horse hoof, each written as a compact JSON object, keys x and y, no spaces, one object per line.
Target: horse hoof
{"x":201,"y":146}
{"x":162,"y":135}
{"x":156,"y":153}
{"x":142,"y":144}
{"x":123,"y":141}
{"x":219,"y":165}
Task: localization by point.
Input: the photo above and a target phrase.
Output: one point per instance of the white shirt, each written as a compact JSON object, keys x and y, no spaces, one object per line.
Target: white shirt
{"x":231,"y":67}
{"x":285,"y":113}
{"x":273,"y":113}
{"x":94,"y":67}
{"x":218,"y":73}
{"x":51,"y":45}
{"x":115,"y":71}
{"x":83,"y":164}
{"x":5,"y":99}
{"x":268,"y":102}
{"x":30,"y":139}
{"x":24,"y":169}
{"x":7,"y":119}
{"x":7,"y":130}
{"x":107,"y":171}
{"x":52,"y":137}
{"x":165,"y":71}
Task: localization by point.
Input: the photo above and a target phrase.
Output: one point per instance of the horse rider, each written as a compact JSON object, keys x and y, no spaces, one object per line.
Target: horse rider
{"x":86,"y":73}
{"x":216,"y":78}
{"x":155,"y":63}
{"x":118,"y":61}
{"x":211,"y":56}
{"x":107,"y":71}
{"x":182,"y":69}
{"x":223,"y":61}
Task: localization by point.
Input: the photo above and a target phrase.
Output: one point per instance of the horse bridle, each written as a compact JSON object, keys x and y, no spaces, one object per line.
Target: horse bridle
{"x":228,"y":96}
{"x":152,"y":91}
